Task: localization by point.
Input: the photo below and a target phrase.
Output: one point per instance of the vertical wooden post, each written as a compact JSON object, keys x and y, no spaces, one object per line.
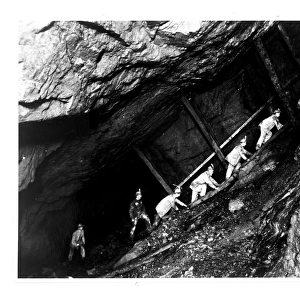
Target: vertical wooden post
{"x":205,"y":132}
{"x":289,"y":46}
{"x":153,"y":170}
{"x":282,"y":95}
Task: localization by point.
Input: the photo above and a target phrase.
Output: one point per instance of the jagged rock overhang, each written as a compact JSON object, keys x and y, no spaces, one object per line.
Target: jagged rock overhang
{"x":67,"y":165}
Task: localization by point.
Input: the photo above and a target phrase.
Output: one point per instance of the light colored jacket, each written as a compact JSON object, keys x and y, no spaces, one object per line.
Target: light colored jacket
{"x":78,"y":238}
{"x":204,"y":178}
{"x":268,"y":123}
{"x":166,"y":204}
{"x":235,"y":155}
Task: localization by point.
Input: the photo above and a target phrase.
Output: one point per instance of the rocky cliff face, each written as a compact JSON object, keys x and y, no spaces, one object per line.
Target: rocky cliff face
{"x":89,"y":91}
{"x":113,"y":80}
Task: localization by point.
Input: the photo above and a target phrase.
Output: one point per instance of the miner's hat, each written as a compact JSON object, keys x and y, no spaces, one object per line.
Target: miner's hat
{"x":211,"y":167}
{"x":138,"y":192}
{"x":244,"y":139}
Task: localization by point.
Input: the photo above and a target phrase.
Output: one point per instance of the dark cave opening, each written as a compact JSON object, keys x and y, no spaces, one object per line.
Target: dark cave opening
{"x":104,"y":201}
{"x":102,"y":204}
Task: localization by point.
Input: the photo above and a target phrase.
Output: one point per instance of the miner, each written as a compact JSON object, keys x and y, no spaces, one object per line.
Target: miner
{"x":266,"y":126}
{"x":77,"y":242}
{"x":235,"y":156}
{"x":199,"y":185}
{"x":166,"y":204}
{"x":137,"y":211}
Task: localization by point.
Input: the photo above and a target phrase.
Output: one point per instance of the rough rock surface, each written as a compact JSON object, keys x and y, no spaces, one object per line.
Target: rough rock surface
{"x":130,"y":69}
{"x":261,"y":240}
{"x":90,"y":90}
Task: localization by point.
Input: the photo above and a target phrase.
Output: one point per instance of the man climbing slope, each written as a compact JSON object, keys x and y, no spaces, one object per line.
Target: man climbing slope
{"x":235,"y":156}
{"x":199,"y":185}
{"x":266,"y":126}
{"x":166,"y":204}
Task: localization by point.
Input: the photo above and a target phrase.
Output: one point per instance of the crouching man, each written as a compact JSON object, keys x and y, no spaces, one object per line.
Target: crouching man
{"x":199,"y":185}
{"x":137,"y":211}
{"x":235,"y":156}
{"x":77,"y":242}
{"x":166,"y":204}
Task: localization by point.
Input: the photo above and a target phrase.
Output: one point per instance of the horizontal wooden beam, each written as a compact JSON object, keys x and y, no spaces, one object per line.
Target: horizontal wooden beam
{"x":153,"y":170}
{"x":211,"y":141}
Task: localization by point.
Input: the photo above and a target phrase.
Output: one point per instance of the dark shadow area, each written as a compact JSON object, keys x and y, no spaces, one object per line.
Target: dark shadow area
{"x":102,"y":205}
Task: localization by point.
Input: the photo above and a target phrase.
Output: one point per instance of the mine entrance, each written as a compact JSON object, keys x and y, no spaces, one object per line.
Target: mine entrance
{"x":104,"y":201}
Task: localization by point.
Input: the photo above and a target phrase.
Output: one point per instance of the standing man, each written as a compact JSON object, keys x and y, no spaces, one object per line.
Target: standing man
{"x":199,"y":185}
{"x":137,"y":211}
{"x":266,"y":126}
{"x":235,"y":156}
{"x":165,"y":205}
{"x":78,"y":241}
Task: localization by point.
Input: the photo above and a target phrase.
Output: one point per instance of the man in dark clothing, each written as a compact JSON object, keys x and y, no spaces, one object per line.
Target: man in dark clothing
{"x":137,"y":211}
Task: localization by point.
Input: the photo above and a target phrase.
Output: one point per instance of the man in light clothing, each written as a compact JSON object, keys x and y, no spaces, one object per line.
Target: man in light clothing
{"x":235,"y":156}
{"x":199,"y":185}
{"x":77,"y":242}
{"x":266,"y":126}
{"x":166,"y":204}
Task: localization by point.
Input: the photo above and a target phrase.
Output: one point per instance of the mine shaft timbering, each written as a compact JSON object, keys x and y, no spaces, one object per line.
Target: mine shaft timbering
{"x":203,"y":125}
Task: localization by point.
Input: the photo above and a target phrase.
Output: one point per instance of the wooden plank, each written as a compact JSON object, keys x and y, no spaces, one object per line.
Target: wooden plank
{"x":228,"y":140}
{"x":253,"y":117}
{"x":137,"y":262}
{"x":275,"y":81}
{"x":153,"y":170}
{"x":205,"y":131}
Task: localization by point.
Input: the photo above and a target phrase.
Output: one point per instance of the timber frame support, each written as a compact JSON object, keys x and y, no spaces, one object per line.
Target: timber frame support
{"x":249,"y":121}
{"x":283,"y":96}
{"x":205,"y":131}
{"x":153,"y":170}
{"x":289,"y":46}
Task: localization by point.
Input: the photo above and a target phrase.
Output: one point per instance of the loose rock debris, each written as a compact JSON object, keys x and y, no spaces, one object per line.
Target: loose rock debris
{"x":208,"y":240}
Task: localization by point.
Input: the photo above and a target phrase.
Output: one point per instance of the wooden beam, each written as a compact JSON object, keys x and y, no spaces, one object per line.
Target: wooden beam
{"x":276,"y":83}
{"x":207,"y":134}
{"x":253,"y":117}
{"x":153,"y":170}
{"x":289,"y":46}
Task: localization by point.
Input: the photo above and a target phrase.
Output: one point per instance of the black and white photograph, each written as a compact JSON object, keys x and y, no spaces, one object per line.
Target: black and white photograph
{"x":157,"y":149}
